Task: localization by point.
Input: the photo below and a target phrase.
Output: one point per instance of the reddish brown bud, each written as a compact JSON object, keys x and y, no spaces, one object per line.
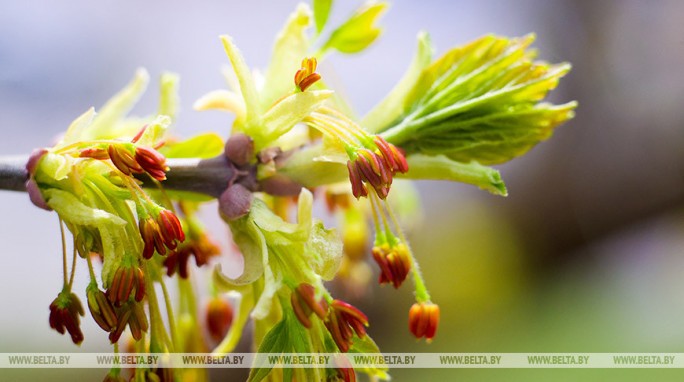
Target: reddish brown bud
{"x":423,"y":320}
{"x":202,"y":248}
{"x":64,"y":315}
{"x":358,"y":188}
{"x":235,"y":202}
{"x":219,"y":318}
{"x":34,"y":158}
{"x":35,"y":195}
{"x":239,"y":149}
{"x":152,"y":237}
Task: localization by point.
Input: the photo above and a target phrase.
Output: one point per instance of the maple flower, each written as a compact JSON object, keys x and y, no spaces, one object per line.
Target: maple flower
{"x":423,"y":320}
{"x":64,"y":314}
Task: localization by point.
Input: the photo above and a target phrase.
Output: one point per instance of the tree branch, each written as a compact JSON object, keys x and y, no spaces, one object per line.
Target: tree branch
{"x":205,"y":176}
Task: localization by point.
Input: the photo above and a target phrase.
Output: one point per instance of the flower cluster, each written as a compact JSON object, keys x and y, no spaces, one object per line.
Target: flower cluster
{"x":477,"y":104}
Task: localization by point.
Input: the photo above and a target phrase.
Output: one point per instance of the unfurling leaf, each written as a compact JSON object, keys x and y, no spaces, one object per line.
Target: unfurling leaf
{"x":321,"y":10}
{"x":440,"y":167}
{"x":357,"y":33}
{"x":480,"y":102}
{"x":207,"y":145}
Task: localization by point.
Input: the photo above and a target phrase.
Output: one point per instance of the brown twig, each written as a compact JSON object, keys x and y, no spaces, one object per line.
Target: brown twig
{"x":205,"y":176}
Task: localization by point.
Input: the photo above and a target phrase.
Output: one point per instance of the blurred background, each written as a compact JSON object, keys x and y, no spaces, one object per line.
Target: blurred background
{"x":585,"y":255}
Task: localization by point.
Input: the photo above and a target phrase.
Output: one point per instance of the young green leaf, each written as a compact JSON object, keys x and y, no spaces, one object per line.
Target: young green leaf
{"x":224,"y":100}
{"x":275,"y":341}
{"x":207,"y":145}
{"x":480,"y":102}
{"x":116,"y":108}
{"x":282,"y":116}
{"x":321,"y":10}
{"x":291,"y":46}
{"x":359,"y":31}
{"x":366,"y":345}
{"x":168,"y":95}
{"x":246,"y":81}
{"x":394,"y":104}
{"x":439,"y":167}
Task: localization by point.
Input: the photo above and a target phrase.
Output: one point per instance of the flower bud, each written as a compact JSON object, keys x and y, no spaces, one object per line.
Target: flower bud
{"x":235,"y":202}
{"x":34,"y":158}
{"x":239,"y":149}
{"x":35,"y":195}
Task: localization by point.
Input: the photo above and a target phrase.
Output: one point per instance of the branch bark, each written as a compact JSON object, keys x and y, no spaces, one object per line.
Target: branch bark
{"x":205,"y":176}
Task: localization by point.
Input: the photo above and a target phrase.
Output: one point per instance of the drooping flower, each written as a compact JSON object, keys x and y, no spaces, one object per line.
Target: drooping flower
{"x":342,"y":321}
{"x":64,"y":315}
{"x":394,"y":262}
{"x":201,"y":248}
{"x":423,"y":320}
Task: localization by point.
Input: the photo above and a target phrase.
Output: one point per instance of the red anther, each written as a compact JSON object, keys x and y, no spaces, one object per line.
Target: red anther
{"x":139,"y":134}
{"x":307,"y":76}
{"x":308,"y":81}
{"x":303,"y":300}
{"x":95,"y":153}
{"x":101,"y":309}
{"x":171,"y":228}
{"x":123,"y":159}
{"x":423,"y":320}
{"x":126,"y":280}
{"x":151,"y":161}
{"x":358,"y":188}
